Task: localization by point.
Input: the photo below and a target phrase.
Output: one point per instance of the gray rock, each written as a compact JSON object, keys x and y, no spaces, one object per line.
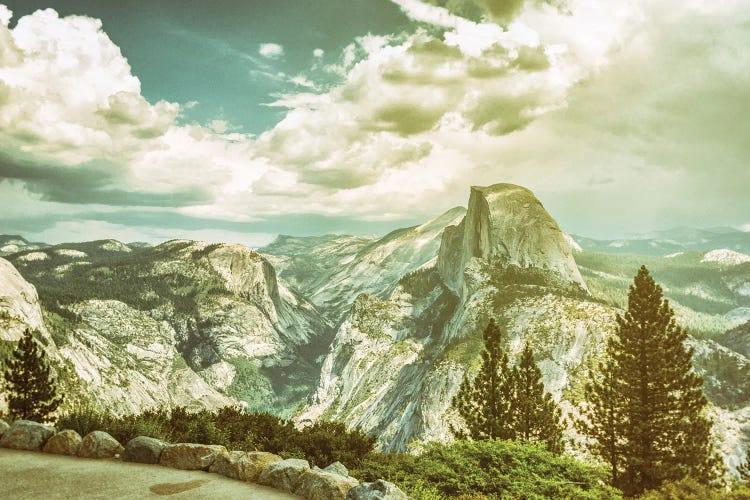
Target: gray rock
{"x":3,"y":427}
{"x":26,"y":435}
{"x":245,"y":466}
{"x":66,"y":442}
{"x":337,"y":468}
{"x":378,"y":490}
{"x":144,"y":450}
{"x":190,"y":456}
{"x":284,"y":475}
{"x":321,"y":485}
{"x":99,"y":444}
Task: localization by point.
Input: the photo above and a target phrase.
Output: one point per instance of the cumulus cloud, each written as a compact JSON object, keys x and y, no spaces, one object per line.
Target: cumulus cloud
{"x":271,"y":50}
{"x":486,"y":92}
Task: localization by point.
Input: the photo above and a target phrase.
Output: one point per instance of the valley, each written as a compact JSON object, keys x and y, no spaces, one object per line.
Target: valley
{"x":376,"y":332}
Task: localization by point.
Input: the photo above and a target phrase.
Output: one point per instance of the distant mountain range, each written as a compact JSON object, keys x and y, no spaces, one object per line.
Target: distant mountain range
{"x":671,"y":241}
{"x":377,"y":332}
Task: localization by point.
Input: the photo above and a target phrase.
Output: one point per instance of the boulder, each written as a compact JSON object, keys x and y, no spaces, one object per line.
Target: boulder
{"x":99,"y":444}
{"x":284,"y":475}
{"x":144,"y":450}
{"x":26,"y":435}
{"x":322,"y":485}
{"x":246,"y":466}
{"x":189,"y":456}
{"x":378,"y":490}
{"x":3,"y":427}
{"x":66,"y":442}
{"x":337,"y":468}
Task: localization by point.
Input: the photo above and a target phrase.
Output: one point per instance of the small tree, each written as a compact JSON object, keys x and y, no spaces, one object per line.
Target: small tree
{"x":31,"y":391}
{"x":537,"y":414}
{"x":486,"y":403}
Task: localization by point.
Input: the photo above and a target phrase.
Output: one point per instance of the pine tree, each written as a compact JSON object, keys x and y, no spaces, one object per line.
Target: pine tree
{"x":31,"y":390}
{"x":486,"y":403}
{"x":603,"y":411}
{"x":537,"y":414}
{"x":650,"y":422}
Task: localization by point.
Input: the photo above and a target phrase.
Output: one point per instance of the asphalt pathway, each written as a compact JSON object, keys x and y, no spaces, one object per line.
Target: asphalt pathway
{"x":31,"y":475}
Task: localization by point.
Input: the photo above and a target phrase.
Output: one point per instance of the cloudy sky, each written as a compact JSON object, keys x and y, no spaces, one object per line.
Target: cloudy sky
{"x":238,"y":120}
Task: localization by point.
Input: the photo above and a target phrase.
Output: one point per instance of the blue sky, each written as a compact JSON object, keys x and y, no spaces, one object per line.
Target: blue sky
{"x":239,"y":120}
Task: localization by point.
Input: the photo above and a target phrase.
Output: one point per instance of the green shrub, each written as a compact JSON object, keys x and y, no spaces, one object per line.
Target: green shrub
{"x":491,"y":469}
{"x":321,"y":444}
{"x":690,"y":489}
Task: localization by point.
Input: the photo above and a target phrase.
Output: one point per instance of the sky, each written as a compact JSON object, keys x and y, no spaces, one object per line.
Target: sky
{"x":240,"y":120}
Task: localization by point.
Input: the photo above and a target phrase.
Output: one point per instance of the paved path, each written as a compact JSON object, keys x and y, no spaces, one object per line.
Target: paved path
{"x":32,"y":475}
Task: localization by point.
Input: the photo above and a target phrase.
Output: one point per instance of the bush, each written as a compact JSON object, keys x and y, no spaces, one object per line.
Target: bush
{"x":690,"y":489}
{"x":488,"y":469}
{"x":321,"y":444}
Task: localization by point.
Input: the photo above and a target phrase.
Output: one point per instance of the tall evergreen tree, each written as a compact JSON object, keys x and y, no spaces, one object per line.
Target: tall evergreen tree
{"x":537,"y":416}
{"x":653,"y":418}
{"x":30,"y":389}
{"x":486,"y":403}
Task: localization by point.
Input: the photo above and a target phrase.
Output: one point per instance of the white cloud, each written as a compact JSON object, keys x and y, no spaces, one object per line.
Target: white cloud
{"x":271,"y":50}
{"x":318,"y":53}
{"x":416,"y":119}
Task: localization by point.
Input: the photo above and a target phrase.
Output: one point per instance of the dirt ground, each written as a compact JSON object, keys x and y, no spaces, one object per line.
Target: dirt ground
{"x":41,"y":476}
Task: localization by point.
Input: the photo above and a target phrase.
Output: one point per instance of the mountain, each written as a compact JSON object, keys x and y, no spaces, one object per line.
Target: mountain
{"x":671,"y":241}
{"x":210,"y":320}
{"x":395,"y":364}
{"x":332,"y":270}
{"x":12,"y":243}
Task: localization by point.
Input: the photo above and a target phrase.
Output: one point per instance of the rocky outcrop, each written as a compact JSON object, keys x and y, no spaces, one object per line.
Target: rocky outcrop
{"x":26,"y":435}
{"x":322,"y":485}
{"x":19,"y":304}
{"x":378,"y":490}
{"x":99,"y":444}
{"x":67,"y":442}
{"x":189,"y":456}
{"x":144,"y":450}
{"x":337,"y":468}
{"x":242,"y":465}
{"x":505,"y":223}
{"x":284,"y":475}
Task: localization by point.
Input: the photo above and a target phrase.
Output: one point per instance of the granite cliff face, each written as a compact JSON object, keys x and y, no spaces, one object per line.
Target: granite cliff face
{"x":19,"y":304}
{"x":332,"y":270}
{"x":183,"y":323}
{"x":395,"y":365}
{"x":505,"y":223}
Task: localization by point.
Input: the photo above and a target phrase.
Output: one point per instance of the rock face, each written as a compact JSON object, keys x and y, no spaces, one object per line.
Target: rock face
{"x":66,"y":442}
{"x":284,"y":475}
{"x":144,"y":450}
{"x":19,"y":304}
{"x":99,"y":444}
{"x":508,"y":223}
{"x":378,"y":490}
{"x":395,"y":365}
{"x":333,"y":270}
{"x":337,"y":468}
{"x":245,"y":466}
{"x":26,"y":435}
{"x":182,"y":324}
{"x":322,"y":485}
{"x":188,"y":456}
